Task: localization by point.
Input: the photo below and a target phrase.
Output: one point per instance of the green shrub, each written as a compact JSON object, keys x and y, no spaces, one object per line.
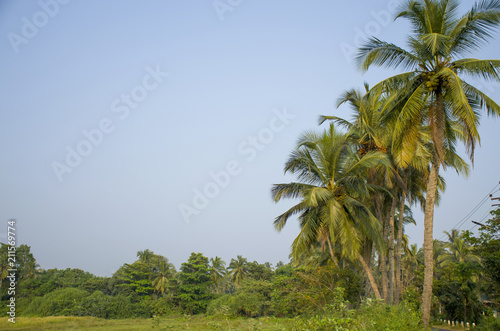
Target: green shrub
{"x":374,"y":315}
{"x":61,"y":302}
{"x":95,"y":305}
{"x":222,"y":306}
{"x":488,"y":323}
{"x":164,"y":306}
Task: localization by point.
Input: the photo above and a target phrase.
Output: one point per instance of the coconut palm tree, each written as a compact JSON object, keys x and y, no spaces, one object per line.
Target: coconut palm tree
{"x":145,"y":256}
{"x":370,"y":133}
{"x":333,"y":193}
{"x":162,"y":275}
{"x":410,"y":264}
{"x":239,"y":269}
{"x":459,"y":249}
{"x":433,"y":94}
{"x":217,"y":271}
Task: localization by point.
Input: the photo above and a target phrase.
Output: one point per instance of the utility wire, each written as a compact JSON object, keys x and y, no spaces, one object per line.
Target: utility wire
{"x":479,"y":205}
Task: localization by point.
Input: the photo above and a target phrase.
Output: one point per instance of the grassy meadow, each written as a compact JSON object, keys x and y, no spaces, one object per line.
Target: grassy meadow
{"x":168,"y":323}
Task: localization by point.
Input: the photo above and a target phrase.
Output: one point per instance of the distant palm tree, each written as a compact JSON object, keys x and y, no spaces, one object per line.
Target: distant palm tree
{"x":433,"y":94}
{"x":162,"y":275}
{"x":459,"y":249}
{"x":410,"y":264}
{"x":217,"y":271}
{"x":145,"y":256}
{"x":239,"y":269}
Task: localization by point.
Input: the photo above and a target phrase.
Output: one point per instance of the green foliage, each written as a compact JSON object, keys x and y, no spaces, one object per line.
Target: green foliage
{"x":305,"y":290}
{"x":163,"y":306}
{"x":49,"y":280}
{"x":61,"y":302}
{"x":136,"y":277}
{"x":195,"y":283}
{"x":20,"y":259}
{"x":102,"y":284}
{"x":77,"y":302}
{"x":487,"y":246}
{"x":335,"y":316}
{"x":458,"y":292}
{"x":411,"y":298}
{"x":488,"y":323}
{"x":252,"y":299}
{"x":373,"y":315}
{"x":377,"y":316}
{"x":260,"y":271}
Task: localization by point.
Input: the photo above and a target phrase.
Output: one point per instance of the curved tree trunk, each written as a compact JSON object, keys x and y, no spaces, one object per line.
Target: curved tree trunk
{"x":370,"y":276}
{"x":430,"y":198}
{"x":334,"y":259}
{"x":390,"y":292}
{"x":399,"y":245}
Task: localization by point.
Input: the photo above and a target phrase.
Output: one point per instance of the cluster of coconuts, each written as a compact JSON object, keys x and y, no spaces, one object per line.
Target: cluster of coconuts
{"x":369,"y":146}
{"x":432,"y":80}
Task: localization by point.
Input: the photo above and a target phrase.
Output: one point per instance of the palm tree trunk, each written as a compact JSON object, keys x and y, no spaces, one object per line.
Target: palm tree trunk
{"x":399,"y":249}
{"x":437,"y":134}
{"x":430,"y":198}
{"x":370,"y":276}
{"x":334,"y":259}
{"x":382,"y":256}
{"x":383,"y":259}
{"x":390,"y":292}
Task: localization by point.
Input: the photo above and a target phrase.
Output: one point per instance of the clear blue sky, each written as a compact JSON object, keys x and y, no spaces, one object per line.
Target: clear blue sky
{"x":180,"y":91}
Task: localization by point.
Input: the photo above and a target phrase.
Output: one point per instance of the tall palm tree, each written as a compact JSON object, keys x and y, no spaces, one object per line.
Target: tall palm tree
{"x":433,"y":93}
{"x":333,"y":191}
{"x":239,"y":269}
{"x":217,"y":271}
{"x":370,"y":133}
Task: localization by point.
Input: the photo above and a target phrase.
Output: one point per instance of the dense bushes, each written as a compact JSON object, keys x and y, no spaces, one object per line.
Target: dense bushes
{"x":78,"y":302}
{"x":372,"y":315}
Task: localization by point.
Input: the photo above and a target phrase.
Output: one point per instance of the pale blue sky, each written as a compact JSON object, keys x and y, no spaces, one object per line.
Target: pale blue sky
{"x":227,"y":78}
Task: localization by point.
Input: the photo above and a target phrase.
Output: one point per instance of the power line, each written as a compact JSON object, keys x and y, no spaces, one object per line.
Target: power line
{"x":479,"y":205}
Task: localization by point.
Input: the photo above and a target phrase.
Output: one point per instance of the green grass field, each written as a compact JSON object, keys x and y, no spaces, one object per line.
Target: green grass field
{"x":168,"y":323}
{"x":194,"y":323}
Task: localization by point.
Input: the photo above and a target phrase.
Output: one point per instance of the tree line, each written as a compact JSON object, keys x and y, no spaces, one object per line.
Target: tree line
{"x":312,"y":284}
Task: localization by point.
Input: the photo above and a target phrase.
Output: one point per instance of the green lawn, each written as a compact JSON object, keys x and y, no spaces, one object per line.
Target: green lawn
{"x":167,"y":323}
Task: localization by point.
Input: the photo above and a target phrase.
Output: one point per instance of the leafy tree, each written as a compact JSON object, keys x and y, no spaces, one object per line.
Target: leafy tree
{"x":432,"y":95}
{"x":260,"y":271}
{"x":135,"y":277}
{"x":195,"y":283}
{"x":487,"y":247}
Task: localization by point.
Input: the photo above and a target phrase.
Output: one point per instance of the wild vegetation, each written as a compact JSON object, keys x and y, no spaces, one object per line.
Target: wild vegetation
{"x":320,"y":289}
{"x":351,"y":266}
